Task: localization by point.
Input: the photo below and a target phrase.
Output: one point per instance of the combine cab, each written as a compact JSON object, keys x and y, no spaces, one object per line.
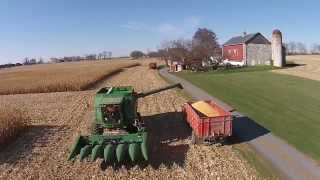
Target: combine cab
{"x":118,"y":133}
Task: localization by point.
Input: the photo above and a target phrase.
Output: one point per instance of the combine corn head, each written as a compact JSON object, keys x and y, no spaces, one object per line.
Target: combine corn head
{"x":118,"y":134}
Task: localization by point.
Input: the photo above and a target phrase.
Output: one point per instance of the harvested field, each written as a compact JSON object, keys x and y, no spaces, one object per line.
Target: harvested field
{"x":306,"y":66}
{"x":57,"y":118}
{"x":72,"y":76}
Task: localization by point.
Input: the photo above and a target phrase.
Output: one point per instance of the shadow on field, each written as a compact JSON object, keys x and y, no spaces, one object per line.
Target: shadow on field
{"x":245,"y":129}
{"x":292,"y":64}
{"x":35,"y":137}
{"x":166,"y":132}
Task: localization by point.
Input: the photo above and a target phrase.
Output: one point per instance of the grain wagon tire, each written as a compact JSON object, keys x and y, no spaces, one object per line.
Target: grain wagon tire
{"x":195,"y":139}
{"x":96,"y":129}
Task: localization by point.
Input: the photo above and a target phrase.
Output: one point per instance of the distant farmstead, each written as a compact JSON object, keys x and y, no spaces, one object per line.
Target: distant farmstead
{"x":249,"y":49}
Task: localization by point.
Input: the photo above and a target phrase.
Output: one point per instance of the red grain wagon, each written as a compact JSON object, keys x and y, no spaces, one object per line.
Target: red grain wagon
{"x":153,"y":65}
{"x":208,"y":129}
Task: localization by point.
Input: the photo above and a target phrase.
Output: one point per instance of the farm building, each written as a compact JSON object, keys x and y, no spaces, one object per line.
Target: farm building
{"x":175,"y":66}
{"x":249,"y":49}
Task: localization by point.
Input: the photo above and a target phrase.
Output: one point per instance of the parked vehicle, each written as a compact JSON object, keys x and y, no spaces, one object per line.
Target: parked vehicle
{"x":153,"y":65}
{"x":206,"y":129}
{"x":227,"y":62}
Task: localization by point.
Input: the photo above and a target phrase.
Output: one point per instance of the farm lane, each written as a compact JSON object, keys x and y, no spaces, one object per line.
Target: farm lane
{"x":290,"y":162}
{"x":57,"y":118}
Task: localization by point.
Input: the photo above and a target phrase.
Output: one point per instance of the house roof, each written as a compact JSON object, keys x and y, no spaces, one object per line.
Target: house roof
{"x":242,"y":39}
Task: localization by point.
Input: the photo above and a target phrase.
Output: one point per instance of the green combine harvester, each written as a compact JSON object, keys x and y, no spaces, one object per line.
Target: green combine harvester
{"x":118,"y":133}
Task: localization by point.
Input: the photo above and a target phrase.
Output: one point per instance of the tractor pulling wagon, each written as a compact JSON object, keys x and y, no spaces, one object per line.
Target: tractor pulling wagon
{"x":206,"y":129}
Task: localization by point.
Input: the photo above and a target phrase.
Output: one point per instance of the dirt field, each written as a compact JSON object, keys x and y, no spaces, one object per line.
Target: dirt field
{"x":41,"y":153}
{"x":73,"y":76}
{"x":308,"y":66}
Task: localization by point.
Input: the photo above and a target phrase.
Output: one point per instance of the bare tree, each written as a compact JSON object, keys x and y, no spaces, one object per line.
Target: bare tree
{"x":153,"y":54}
{"x":32,"y":61}
{"x":91,"y":57}
{"x":315,"y":49}
{"x":180,"y":49}
{"x":177,"y":50}
{"x":40,"y":60}
{"x":162,"y":53}
{"x":292,"y":48}
{"x":296,"y":48}
{"x":104,"y":54}
{"x":26,"y":61}
{"x":136,"y":54}
{"x":205,"y":44}
{"x":301,"y":48}
{"x":100,"y":56}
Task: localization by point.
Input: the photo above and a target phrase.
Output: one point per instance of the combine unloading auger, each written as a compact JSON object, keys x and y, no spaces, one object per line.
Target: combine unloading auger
{"x":116,"y":109}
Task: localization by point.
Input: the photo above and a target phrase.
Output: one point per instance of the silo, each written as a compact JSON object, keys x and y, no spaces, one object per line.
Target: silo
{"x":277,"y":50}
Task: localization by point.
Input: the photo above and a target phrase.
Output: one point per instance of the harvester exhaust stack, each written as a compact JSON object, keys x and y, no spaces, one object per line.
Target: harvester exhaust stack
{"x":115,"y":108}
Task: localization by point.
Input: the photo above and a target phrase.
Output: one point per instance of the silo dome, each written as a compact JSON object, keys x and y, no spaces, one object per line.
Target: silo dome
{"x":276,"y":31}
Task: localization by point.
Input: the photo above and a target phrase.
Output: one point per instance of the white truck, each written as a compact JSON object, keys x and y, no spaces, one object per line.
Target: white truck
{"x":233,"y":63}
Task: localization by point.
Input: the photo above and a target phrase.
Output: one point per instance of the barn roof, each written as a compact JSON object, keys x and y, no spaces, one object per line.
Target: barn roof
{"x":242,"y":39}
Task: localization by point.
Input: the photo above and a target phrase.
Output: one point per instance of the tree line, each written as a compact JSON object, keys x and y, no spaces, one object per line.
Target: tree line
{"x":32,"y":61}
{"x":203,"y":45}
{"x":296,"y":48}
{"x":100,"y":56}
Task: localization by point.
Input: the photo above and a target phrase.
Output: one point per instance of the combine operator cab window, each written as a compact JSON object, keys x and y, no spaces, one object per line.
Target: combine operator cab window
{"x":111,"y":113}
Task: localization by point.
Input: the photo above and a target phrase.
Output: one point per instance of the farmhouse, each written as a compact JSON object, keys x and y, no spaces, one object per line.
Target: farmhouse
{"x":249,"y":49}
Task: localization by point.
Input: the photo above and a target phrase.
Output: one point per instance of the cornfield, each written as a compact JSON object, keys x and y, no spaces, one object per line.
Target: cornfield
{"x":44,"y":78}
{"x":12,"y":122}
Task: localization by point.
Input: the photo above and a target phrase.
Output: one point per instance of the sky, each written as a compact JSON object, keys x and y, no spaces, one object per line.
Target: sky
{"x":57,"y":28}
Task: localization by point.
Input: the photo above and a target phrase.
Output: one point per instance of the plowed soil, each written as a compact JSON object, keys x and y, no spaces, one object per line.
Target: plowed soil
{"x":57,"y":118}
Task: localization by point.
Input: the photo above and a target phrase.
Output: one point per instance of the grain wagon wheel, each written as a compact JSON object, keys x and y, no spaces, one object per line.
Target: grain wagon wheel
{"x":193,"y":138}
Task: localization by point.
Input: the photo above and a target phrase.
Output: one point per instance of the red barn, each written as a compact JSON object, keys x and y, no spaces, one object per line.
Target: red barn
{"x":249,"y":49}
